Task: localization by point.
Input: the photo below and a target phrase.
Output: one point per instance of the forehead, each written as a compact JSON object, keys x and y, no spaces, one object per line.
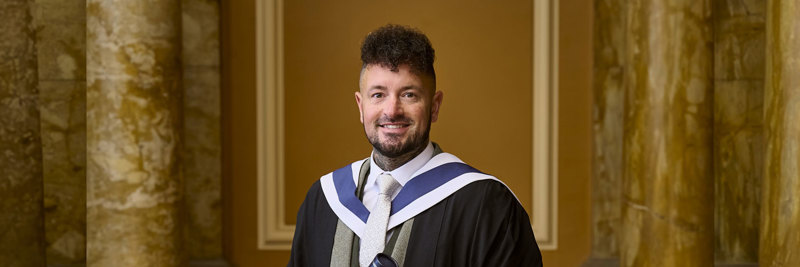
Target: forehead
{"x":375,"y":75}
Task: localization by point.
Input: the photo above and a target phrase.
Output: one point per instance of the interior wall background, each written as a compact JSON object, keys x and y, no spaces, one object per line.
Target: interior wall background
{"x":60,"y":34}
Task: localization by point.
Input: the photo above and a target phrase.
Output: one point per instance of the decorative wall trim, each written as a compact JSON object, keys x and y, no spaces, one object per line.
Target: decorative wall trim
{"x":275,"y":234}
{"x":545,"y":123}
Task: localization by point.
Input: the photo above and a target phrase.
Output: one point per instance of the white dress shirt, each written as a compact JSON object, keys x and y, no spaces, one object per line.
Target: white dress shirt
{"x":402,"y":174}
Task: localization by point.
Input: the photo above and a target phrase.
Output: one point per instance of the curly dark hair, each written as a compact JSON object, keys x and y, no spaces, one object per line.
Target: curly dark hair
{"x":393,"y":45}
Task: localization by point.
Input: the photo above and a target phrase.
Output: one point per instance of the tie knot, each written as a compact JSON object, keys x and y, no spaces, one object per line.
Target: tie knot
{"x":387,"y":184}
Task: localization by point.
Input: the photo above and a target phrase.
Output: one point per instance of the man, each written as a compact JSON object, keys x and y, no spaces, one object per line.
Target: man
{"x":408,"y":200}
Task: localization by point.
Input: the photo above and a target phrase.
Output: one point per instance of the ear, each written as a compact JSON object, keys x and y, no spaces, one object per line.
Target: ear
{"x":437,"y":102}
{"x":358,"y":103}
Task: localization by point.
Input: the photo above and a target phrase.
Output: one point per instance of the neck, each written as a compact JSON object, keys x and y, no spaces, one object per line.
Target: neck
{"x":391,"y":163}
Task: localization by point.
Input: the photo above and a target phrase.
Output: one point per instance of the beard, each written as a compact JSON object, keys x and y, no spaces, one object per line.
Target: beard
{"x":395,"y":147}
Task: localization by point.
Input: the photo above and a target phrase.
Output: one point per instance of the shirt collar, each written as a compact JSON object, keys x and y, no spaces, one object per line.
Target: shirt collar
{"x":403,"y":173}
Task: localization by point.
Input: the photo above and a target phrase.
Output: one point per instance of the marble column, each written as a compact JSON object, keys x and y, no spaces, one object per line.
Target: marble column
{"x":21,"y":214}
{"x":202,"y":149}
{"x":61,"y":46}
{"x":739,"y":55}
{"x":609,"y":92}
{"x":780,"y":208}
{"x":135,"y":213}
{"x":668,"y":190}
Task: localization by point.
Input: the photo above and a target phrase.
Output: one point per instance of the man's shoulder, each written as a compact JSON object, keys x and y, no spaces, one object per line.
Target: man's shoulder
{"x":486,"y":188}
{"x":314,"y":190}
{"x":487,"y":200}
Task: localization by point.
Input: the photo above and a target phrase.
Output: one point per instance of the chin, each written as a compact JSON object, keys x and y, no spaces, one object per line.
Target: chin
{"x":393,"y":147}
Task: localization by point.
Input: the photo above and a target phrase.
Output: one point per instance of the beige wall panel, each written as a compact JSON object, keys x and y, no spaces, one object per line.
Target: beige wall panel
{"x":575,"y":134}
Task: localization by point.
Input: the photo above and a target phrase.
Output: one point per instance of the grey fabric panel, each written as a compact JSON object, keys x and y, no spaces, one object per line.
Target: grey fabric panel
{"x":354,"y":252}
{"x":362,"y":178}
{"x":340,"y":256}
{"x":399,"y":251}
{"x":356,"y":241}
{"x":436,"y":149}
{"x":392,"y":240}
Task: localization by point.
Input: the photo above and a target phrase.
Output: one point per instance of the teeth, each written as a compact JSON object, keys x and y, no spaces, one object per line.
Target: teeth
{"x":392,"y":126}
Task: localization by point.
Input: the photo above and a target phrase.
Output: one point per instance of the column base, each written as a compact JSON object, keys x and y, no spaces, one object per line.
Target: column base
{"x":210,"y":263}
{"x":192,"y":263}
{"x":594,"y":262}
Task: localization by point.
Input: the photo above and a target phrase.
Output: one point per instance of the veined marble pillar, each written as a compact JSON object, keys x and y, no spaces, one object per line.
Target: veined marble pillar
{"x":21,"y":215}
{"x":780,"y":208}
{"x":609,"y":92}
{"x":134,"y":141}
{"x":738,"y":127}
{"x":668,"y":190}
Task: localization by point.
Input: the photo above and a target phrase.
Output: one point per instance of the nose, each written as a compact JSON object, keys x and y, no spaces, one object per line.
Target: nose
{"x":393,"y":108}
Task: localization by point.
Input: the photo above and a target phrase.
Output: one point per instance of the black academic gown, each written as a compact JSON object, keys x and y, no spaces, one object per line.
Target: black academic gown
{"x":482,"y":224}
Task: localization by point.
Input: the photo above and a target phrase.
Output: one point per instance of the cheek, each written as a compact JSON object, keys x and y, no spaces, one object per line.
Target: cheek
{"x":422,"y":113}
{"x":369,"y":115}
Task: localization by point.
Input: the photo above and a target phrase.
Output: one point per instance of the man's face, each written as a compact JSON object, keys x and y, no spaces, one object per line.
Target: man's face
{"x":396,"y":109}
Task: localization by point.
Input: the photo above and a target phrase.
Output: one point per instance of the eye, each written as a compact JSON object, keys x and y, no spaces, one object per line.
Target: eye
{"x":376,"y":95}
{"x":409,"y":95}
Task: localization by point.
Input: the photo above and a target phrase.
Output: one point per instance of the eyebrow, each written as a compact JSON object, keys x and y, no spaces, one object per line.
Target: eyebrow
{"x":407,"y":87}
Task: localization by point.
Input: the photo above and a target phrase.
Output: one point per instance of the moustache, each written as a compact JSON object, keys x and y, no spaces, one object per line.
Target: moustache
{"x":399,"y":119}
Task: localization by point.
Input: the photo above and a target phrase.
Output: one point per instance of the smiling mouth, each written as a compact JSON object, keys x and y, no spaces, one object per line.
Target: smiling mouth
{"x":393,"y":126}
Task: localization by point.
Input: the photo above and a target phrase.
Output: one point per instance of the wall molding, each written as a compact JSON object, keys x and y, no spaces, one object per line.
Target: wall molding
{"x":273,"y":231}
{"x":545,"y":116}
